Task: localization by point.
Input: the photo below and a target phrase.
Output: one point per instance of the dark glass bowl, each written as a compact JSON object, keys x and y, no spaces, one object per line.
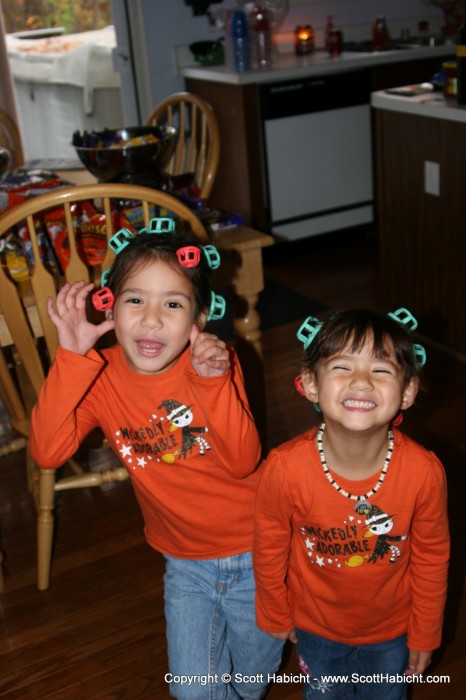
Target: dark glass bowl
{"x":122,"y":161}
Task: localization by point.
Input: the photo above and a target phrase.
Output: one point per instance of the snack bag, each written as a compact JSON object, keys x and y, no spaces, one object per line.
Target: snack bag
{"x":92,"y":232}
{"x":13,"y":256}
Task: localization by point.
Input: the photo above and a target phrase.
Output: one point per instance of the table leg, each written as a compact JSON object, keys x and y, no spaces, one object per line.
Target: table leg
{"x":242,"y":248}
{"x":247,"y":277}
{"x":247,"y":325}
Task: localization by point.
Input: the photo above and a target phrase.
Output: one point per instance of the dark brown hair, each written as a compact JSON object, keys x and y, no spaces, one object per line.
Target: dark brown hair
{"x":343,"y":330}
{"x":146,"y":248}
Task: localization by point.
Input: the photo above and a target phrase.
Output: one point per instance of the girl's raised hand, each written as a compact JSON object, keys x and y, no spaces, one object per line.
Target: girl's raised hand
{"x":209,"y":354}
{"x":68,"y":315}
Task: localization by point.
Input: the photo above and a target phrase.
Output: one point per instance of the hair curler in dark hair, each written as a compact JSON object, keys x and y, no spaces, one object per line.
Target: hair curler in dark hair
{"x":349,"y":330}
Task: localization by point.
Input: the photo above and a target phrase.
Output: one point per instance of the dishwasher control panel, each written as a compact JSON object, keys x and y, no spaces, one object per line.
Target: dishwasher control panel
{"x":315,"y":94}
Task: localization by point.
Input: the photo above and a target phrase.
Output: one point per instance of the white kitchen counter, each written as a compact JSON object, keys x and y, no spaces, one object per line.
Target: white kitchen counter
{"x":289,"y":66}
{"x":428,"y":105}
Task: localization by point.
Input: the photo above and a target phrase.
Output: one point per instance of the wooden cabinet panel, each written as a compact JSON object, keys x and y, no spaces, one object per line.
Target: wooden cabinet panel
{"x":422,"y":236}
{"x":238,"y":185}
{"x":406,"y":72}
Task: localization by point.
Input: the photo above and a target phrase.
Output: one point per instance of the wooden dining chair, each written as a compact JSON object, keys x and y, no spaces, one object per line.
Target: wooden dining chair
{"x":198,"y":146}
{"x":10,"y":139}
{"x":28,"y":337}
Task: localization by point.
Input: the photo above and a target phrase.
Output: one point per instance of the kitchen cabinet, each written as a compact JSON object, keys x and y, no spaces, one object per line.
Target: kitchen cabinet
{"x":243,"y":179}
{"x":420,"y":197}
{"x":405,"y":72}
{"x":238,"y":183}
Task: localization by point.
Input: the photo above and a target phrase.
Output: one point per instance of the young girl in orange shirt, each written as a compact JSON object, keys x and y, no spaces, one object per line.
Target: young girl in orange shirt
{"x":351,"y":538}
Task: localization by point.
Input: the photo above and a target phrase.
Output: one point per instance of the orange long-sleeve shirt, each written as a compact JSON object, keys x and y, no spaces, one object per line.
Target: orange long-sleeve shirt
{"x":353,"y":578}
{"x":189,"y":443}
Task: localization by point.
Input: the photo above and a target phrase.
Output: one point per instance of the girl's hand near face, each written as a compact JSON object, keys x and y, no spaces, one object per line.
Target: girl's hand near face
{"x":68,"y":315}
{"x":209,"y":354}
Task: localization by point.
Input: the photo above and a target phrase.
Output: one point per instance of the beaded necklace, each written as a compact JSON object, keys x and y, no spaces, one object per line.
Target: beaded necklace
{"x":362,"y":502}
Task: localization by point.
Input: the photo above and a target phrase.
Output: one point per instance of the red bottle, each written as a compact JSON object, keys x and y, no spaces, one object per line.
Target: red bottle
{"x":380,"y":34}
{"x":328,"y":31}
{"x":262,"y":46}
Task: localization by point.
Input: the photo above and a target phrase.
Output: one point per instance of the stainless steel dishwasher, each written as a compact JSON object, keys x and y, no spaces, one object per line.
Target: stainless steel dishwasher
{"x":318,"y":153}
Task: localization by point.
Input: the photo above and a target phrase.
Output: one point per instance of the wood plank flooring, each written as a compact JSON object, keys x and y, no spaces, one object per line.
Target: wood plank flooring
{"x":98,"y":632}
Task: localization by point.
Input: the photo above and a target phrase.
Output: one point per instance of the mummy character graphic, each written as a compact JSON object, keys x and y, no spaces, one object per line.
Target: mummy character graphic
{"x":380,"y":524}
{"x":181,"y":416}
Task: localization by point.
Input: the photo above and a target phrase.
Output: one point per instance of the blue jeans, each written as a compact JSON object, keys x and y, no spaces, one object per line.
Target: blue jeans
{"x":366,"y":666}
{"x":212,"y":631}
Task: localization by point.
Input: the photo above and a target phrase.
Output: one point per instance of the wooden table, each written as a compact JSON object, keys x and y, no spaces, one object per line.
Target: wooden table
{"x":242,"y":246}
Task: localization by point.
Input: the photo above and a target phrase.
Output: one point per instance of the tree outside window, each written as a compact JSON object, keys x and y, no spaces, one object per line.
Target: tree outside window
{"x":83,"y":16}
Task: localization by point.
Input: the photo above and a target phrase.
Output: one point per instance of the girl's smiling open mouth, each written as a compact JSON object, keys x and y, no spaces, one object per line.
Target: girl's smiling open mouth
{"x":149,"y":348}
{"x":359,"y":404}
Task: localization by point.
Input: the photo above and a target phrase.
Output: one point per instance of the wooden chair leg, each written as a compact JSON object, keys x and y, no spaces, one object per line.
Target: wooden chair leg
{"x":32,"y":476}
{"x":45,"y":527}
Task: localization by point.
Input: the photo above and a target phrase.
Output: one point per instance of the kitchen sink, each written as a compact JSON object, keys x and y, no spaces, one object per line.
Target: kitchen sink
{"x":423,"y":41}
{"x":412,"y":42}
{"x":366,"y":46}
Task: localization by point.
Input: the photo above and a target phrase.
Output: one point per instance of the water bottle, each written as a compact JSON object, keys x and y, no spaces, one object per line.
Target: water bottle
{"x":238,"y":50}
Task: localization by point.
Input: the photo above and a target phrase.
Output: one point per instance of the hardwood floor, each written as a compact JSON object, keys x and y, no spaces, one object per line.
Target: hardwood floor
{"x":98,"y":632}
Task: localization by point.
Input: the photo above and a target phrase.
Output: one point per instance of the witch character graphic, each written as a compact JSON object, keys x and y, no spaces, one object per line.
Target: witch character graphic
{"x":380,"y":524}
{"x":181,"y":416}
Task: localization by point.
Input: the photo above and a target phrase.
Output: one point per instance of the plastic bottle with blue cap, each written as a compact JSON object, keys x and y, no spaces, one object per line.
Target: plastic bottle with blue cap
{"x":238,"y":46}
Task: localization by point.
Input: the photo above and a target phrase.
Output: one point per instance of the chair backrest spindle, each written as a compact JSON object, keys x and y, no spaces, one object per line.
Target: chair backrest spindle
{"x":198,"y":144}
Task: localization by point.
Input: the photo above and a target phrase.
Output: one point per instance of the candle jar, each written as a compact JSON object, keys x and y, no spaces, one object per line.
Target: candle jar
{"x":304,"y":40}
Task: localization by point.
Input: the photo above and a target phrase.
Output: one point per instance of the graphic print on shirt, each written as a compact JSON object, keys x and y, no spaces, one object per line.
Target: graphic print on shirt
{"x":380,"y":524}
{"x":350,"y":543}
{"x":161,"y":440}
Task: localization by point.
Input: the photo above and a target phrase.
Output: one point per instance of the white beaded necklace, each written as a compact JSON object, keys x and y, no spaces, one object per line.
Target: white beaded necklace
{"x":362,"y":501}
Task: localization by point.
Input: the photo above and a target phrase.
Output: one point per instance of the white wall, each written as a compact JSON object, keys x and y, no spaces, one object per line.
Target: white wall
{"x":165,"y":24}
{"x":354,"y":17}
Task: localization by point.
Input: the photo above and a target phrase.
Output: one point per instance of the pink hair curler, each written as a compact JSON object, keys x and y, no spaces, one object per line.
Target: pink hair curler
{"x":188,"y":256}
{"x":103,"y":299}
{"x":298,"y":382}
